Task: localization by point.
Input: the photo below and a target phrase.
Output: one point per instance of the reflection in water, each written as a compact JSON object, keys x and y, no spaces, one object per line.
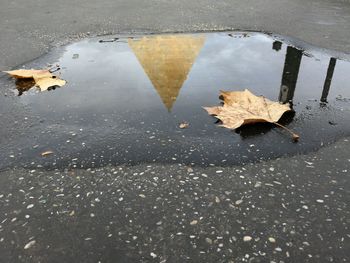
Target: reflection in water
{"x":248,"y":131}
{"x":24,"y":85}
{"x":117,"y":117}
{"x":167,"y":61}
{"x":290,"y":74}
{"x":328,"y":80}
{"x":277,"y":45}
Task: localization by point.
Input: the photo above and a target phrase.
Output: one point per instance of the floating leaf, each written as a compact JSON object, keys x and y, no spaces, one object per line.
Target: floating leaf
{"x":43,"y":78}
{"x":29,"y":73}
{"x":243,"y":107}
{"x":45,"y":83}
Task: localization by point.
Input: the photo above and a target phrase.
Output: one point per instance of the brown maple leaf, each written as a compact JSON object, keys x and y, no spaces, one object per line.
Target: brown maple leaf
{"x":43,"y":78}
{"x":243,"y":107}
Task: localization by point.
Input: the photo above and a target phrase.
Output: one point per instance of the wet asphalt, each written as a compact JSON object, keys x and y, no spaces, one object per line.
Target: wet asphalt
{"x":289,"y":209}
{"x":285,"y":210}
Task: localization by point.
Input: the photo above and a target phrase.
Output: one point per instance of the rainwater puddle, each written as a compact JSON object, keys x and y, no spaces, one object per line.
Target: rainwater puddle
{"x":125,"y":99}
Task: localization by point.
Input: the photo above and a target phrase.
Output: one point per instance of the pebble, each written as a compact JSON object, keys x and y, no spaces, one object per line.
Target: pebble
{"x":257,"y":184}
{"x":272,"y":240}
{"x":208,"y":240}
{"x":194,"y":222}
{"x":238,"y":202}
{"x":30,"y":244}
{"x":247,"y":238}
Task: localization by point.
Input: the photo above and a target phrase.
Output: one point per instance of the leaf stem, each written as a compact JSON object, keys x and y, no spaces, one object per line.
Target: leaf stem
{"x":294,"y":135}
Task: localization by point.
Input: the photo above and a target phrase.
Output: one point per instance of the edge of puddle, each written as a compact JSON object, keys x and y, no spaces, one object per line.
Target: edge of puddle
{"x":55,"y":51}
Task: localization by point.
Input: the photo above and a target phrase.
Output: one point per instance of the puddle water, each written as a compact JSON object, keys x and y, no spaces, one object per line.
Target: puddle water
{"x":125,"y":99}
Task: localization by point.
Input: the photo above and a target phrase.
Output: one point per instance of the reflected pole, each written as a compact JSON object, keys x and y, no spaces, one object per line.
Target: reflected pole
{"x":290,"y":74}
{"x":328,"y":80}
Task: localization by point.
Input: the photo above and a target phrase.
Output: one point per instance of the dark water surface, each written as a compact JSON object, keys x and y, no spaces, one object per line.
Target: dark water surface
{"x":124,"y":101}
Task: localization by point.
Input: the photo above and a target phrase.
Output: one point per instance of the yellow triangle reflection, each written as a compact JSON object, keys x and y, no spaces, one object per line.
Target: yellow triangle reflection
{"x":167,"y":61}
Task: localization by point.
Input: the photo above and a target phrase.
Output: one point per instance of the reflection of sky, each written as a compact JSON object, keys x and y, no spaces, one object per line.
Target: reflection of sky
{"x":103,"y":78}
{"x":341,"y":84}
{"x":107,"y":77}
{"x":312,"y":76}
{"x":234,"y":64}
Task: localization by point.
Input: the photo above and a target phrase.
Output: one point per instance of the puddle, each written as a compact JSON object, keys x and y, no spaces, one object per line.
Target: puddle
{"x":125,"y":98}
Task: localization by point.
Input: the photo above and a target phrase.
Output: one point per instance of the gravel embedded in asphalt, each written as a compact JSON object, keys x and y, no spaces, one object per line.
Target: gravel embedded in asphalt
{"x":289,"y":209}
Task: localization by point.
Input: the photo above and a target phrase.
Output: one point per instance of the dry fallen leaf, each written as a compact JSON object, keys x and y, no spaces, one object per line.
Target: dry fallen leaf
{"x":243,"y":107}
{"x":43,"y":78}
{"x":29,"y":73}
{"x":46,"y":153}
{"x":45,"y":83}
